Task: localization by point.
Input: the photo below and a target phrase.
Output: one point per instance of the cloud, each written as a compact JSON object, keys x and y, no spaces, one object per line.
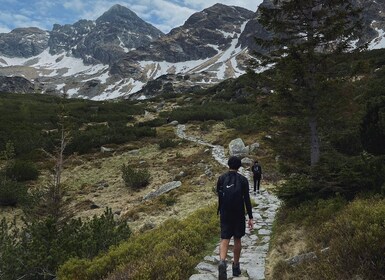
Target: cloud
{"x":166,"y":15}
{"x":75,"y":5}
{"x":4,"y":29}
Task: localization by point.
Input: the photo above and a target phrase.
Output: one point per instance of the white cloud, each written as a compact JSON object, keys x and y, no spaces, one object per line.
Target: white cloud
{"x":75,"y":5}
{"x":4,"y":29}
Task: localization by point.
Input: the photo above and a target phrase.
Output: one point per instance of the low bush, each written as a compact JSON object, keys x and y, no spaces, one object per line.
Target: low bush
{"x":12,"y":193}
{"x":152,"y":123}
{"x":22,"y":171}
{"x":170,"y":251}
{"x":250,"y":123}
{"x":167,"y":143}
{"x":135,"y":179}
{"x":35,"y":250}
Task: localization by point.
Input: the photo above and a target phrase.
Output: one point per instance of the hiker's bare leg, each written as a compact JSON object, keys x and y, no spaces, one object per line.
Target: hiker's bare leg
{"x":237,"y":250}
{"x":223,"y":248}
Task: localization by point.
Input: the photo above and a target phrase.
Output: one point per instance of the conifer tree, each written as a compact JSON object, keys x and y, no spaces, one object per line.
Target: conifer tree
{"x":305,"y":37}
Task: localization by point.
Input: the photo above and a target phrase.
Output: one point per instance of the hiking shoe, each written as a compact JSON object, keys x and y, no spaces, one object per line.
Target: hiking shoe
{"x":222,"y":274}
{"x":236,"y":270}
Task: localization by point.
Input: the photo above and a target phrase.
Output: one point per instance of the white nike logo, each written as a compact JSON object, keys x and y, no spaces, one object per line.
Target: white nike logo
{"x":229,"y":186}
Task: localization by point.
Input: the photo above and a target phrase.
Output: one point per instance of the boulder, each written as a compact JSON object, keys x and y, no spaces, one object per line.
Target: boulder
{"x":238,"y":148}
{"x":253,"y":147}
{"x":247,"y":161}
{"x":163,"y":189}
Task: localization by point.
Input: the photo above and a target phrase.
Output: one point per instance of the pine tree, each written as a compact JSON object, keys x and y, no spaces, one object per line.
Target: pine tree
{"x":305,"y":37}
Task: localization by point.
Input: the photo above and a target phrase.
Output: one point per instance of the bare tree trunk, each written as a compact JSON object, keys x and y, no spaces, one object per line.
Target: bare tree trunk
{"x":315,"y":143}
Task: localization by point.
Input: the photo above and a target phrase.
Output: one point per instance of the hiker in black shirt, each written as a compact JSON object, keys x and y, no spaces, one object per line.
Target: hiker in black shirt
{"x":233,"y":196}
{"x":257,"y":175}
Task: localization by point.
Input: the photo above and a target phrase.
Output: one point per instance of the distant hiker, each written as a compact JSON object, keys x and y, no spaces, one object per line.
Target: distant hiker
{"x":233,"y":196}
{"x":257,"y":175}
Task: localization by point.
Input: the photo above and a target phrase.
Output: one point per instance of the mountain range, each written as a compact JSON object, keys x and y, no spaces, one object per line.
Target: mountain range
{"x":119,"y":55}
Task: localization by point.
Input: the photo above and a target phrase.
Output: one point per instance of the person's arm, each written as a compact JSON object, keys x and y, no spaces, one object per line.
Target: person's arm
{"x":219,"y":184}
{"x":246,"y":197}
{"x":249,"y":209}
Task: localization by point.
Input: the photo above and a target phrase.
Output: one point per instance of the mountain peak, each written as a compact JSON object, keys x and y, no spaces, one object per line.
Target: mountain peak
{"x":118,"y":13}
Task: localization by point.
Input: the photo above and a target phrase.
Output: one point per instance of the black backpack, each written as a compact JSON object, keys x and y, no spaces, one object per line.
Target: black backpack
{"x":230,"y":193}
{"x":257,"y":170}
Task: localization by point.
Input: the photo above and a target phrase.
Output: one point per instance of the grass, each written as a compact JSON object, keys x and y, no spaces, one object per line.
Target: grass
{"x":352,"y":232}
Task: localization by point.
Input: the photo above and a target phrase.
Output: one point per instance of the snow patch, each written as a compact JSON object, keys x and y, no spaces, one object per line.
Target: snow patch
{"x":379,"y":42}
{"x":71,"y":66}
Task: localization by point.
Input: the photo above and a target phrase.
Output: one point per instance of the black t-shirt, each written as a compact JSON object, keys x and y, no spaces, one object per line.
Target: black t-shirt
{"x":233,"y":195}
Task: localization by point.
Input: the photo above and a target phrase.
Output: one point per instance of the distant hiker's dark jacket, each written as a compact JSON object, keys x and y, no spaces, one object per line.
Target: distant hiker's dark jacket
{"x":257,"y":170}
{"x":233,"y":196}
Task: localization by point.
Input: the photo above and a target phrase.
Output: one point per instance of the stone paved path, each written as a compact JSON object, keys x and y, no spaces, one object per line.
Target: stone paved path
{"x":255,"y":244}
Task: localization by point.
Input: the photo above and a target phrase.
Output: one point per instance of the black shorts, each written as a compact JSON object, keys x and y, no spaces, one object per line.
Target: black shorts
{"x":234,"y":227}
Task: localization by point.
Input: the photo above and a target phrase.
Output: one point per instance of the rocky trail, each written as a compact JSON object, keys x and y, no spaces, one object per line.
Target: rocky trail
{"x":255,"y":243}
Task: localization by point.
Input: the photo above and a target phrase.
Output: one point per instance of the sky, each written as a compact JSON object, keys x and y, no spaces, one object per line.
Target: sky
{"x":163,"y":14}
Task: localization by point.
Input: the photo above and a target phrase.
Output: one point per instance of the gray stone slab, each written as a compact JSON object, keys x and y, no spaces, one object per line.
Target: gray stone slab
{"x":205,"y":276}
{"x":206,"y":267}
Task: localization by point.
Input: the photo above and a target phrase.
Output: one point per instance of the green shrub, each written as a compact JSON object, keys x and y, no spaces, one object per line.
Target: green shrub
{"x":22,"y":171}
{"x":170,"y":251}
{"x":152,"y":123}
{"x":135,"y":179}
{"x":35,"y":251}
{"x":250,"y":123}
{"x":168,"y":200}
{"x":373,"y":126}
{"x":12,"y":193}
{"x":167,"y":143}
{"x":355,"y":240}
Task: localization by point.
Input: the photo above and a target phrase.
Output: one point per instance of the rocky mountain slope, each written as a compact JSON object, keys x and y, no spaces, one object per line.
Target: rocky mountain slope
{"x":120,"y":55}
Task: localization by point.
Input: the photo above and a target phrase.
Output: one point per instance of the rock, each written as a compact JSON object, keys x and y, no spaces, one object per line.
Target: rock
{"x":106,"y":150}
{"x":180,"y":176}
{"x":205,"y":276}
{"x":253,"y":147}
{"x":102,"y":184}
{"x":134,"y":152}
{"x":163,"y":189}
{"x":206,"y":267}
{"x":147,"y":226}
{"x":247,"y":161}
{"x":16,"y":85}
{"x":173,"y":123}
{"x":238,"y":148}
{"x":94,"y":206}
{"x":301,"y":258}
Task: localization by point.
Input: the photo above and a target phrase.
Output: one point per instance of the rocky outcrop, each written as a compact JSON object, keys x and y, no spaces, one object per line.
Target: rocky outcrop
{"x":16,"y":85}
{"x":23,"y":42}
{"x":105,"y":40}
{"x":172,"y":84}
